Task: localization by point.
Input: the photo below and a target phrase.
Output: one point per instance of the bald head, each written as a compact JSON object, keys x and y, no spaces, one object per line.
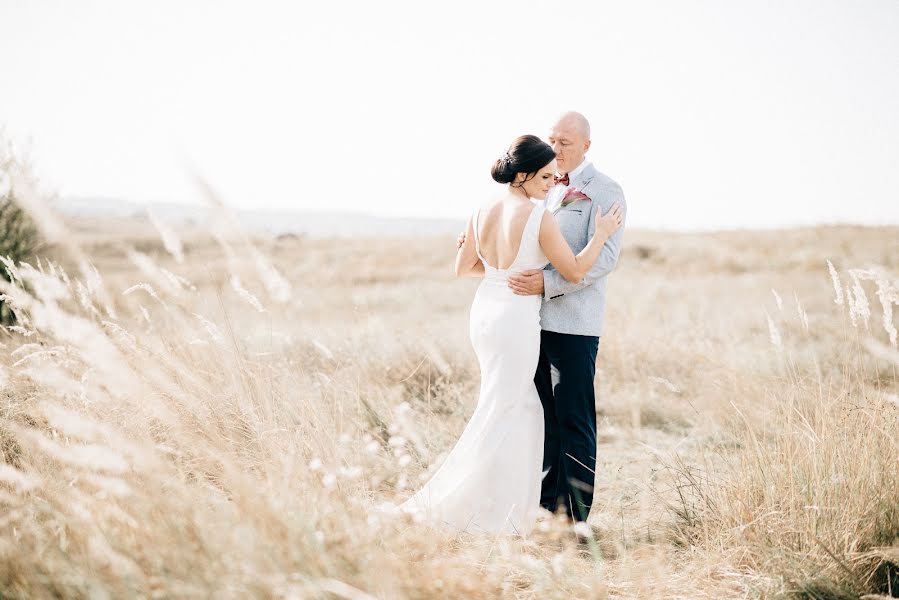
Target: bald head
{"x":575,"y":121}
{"x":570,"y":138}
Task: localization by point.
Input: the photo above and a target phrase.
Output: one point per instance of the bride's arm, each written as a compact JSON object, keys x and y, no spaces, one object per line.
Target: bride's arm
{"x":574,"y":268}
{"x":467,"y":262}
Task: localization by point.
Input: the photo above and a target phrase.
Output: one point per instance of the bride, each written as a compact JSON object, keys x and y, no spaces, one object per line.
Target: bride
{"x":490,"y":481}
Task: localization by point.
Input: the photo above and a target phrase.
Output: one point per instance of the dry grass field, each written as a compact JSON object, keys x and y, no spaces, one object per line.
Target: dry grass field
{"x":219,"y":417}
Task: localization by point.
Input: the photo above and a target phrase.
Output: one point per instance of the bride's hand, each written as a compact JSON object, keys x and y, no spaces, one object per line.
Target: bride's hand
{"x":609,"y":223}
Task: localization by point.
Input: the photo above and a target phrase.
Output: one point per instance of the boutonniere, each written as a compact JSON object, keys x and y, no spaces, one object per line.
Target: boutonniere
{"x":572,"y":194}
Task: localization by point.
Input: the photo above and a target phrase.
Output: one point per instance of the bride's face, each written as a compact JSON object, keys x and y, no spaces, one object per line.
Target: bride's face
{"x":539,"y":185}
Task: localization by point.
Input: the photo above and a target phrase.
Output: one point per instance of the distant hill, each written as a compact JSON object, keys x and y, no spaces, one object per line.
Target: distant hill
{"x":271,"y":222}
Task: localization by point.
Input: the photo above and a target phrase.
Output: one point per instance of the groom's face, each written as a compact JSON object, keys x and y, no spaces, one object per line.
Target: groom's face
{"x":570,"y":144}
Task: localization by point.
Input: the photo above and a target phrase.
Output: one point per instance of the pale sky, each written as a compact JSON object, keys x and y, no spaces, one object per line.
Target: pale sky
{"x":708,"y":113}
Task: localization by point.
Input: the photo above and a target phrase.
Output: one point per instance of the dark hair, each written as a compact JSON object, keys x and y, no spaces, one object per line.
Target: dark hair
{"x":527,"y":154}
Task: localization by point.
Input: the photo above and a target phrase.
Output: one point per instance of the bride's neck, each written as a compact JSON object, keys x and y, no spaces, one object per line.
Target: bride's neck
{"x":518,"y":192}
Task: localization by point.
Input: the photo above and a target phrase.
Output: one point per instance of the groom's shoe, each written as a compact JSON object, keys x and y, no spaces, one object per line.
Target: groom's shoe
{"x":594,"y":542}
{"x":557,"y":507}
{"x":587,"y":539}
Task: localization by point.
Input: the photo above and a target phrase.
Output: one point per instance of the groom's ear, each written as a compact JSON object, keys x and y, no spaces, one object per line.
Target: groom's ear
{"x":586,"y":146}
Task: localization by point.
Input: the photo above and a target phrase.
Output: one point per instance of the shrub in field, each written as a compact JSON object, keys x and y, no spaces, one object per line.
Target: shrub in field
{"x":18,"y":234}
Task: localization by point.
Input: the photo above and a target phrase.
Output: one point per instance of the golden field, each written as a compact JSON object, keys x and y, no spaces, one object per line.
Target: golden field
{"x":221,"y":419}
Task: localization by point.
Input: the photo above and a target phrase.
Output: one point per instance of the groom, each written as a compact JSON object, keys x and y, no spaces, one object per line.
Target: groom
{"x":571,"y":320}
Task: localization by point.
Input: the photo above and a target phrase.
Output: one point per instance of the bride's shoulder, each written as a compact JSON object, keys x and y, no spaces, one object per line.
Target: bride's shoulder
{"x":491,"y":204}
{"x":508,"y":205}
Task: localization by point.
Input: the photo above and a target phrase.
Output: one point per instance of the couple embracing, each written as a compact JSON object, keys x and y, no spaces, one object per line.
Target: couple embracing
{"x":544,"y":249}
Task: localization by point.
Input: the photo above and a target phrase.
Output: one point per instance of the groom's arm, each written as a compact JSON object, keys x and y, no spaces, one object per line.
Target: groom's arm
{"x":554,"y":285}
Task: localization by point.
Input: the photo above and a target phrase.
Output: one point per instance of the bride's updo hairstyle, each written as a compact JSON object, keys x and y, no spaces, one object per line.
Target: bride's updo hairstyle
{"x":527,"y":154}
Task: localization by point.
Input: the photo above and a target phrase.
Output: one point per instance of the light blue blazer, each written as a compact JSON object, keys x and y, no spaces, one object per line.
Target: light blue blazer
{"x":577,"y":308}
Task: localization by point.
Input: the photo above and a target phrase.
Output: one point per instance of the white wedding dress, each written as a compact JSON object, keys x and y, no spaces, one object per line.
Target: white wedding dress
{"x":490,"y":481}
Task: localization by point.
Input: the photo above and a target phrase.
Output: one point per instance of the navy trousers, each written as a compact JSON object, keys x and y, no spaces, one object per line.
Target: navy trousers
{"x":564,"y":380}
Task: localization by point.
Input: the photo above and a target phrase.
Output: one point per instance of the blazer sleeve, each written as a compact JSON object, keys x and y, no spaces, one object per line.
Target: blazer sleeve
{"x":554,"y":285}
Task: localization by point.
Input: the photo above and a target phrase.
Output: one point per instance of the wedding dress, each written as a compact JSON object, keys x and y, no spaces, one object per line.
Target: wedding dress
{"x":490,"y":481}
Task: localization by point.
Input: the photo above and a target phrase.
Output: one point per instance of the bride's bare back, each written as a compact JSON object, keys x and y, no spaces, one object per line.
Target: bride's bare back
{"x":500,"y":226}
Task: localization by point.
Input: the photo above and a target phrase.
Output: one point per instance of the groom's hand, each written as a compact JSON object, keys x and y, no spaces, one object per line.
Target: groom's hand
{"x":460,"y":241}
{"x":528,"y":283}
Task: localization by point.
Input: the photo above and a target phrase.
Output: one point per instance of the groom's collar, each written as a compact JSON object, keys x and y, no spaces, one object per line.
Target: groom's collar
{"x":578,"y":170}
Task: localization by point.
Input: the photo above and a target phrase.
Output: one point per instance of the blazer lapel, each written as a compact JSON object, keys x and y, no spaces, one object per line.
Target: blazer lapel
{"x":585,"y":177}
